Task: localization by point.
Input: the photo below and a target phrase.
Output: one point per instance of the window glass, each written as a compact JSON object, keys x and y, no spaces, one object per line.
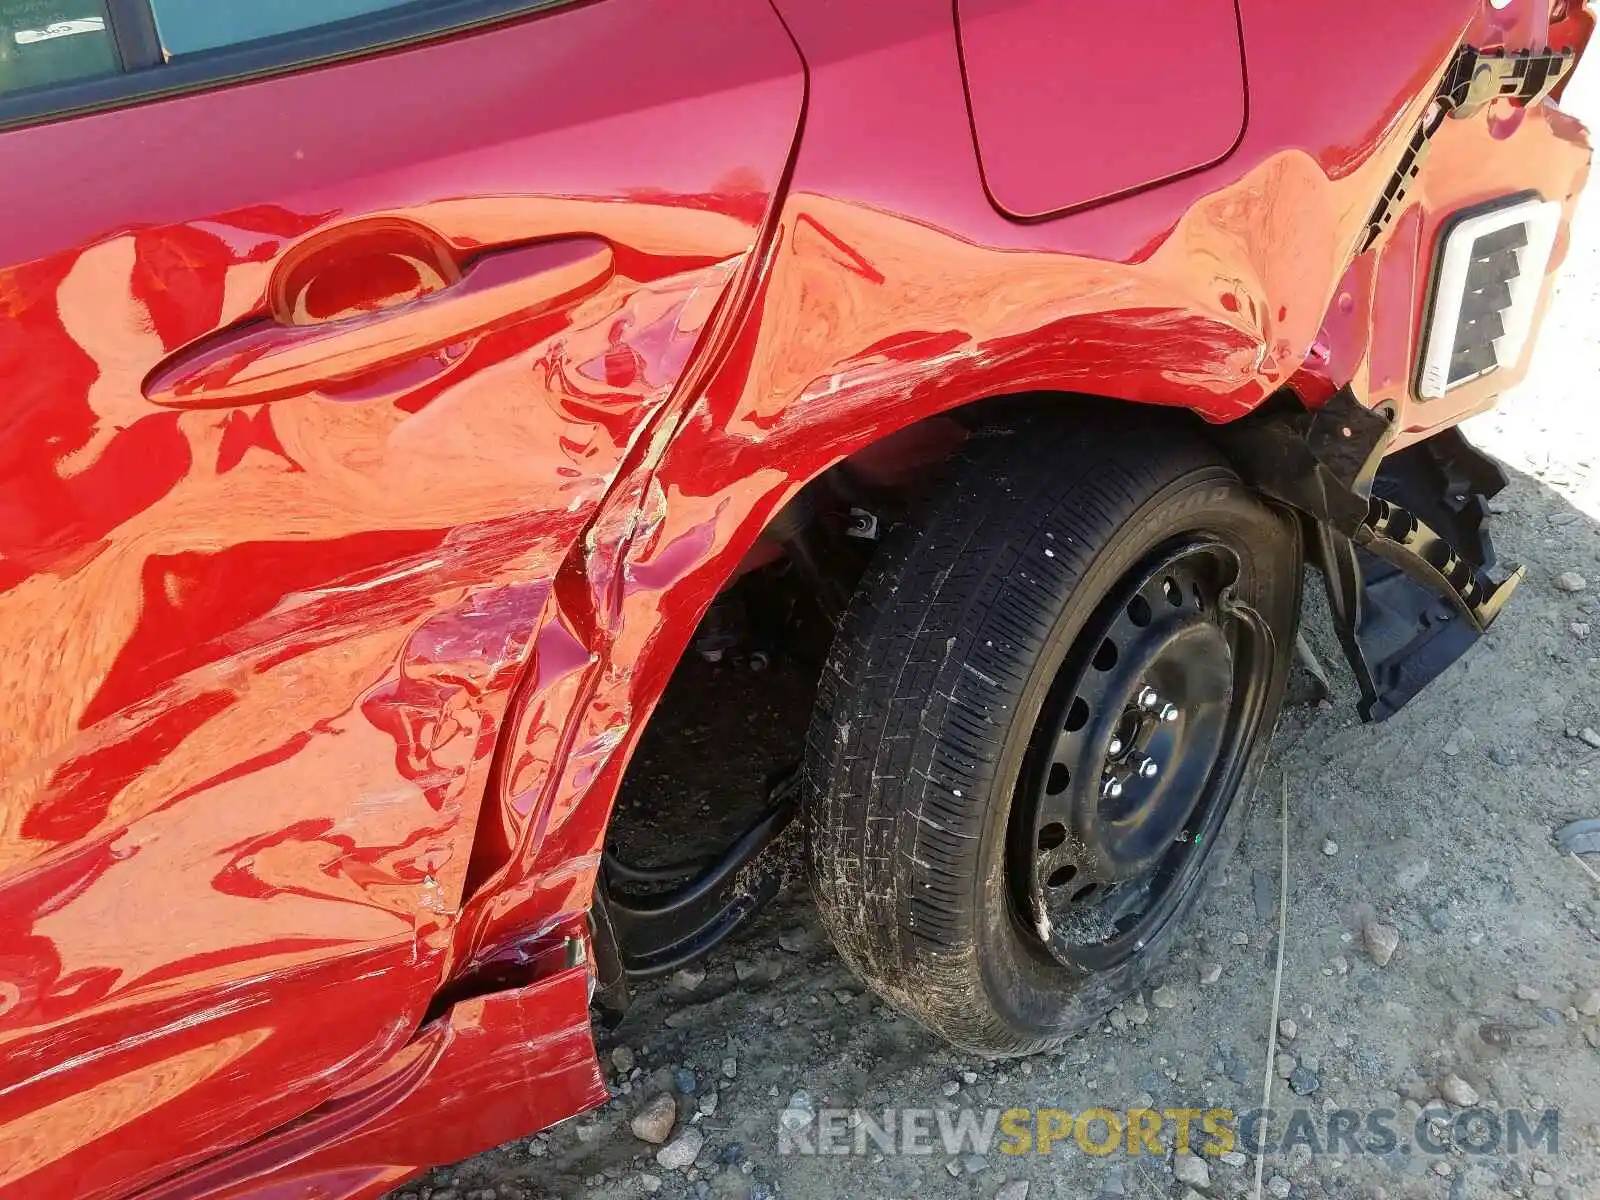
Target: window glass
{"x":54,"y":41}
{"x":187,"y":26}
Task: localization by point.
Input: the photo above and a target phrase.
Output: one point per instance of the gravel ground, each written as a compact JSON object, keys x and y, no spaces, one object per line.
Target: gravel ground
{"x":1435,"y":826}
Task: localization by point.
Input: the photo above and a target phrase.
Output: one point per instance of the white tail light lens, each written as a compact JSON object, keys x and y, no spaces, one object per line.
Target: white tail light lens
{"x":1486,"y":286}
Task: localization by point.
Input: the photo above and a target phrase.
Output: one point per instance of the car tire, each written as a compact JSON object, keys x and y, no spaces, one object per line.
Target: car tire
{"x":960,"y":759}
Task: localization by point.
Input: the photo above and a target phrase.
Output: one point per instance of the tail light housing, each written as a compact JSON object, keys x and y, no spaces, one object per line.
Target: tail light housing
{"x":1487,"y":278}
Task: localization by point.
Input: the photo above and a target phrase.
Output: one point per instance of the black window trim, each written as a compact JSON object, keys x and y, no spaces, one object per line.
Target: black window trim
{"x":151,"y":77}
{"x":133,"y":29}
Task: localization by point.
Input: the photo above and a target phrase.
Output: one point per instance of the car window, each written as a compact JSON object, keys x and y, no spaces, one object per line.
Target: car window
{"x":59,"y":58}
{"x":44,"y":42}
{"x":189,"y":26}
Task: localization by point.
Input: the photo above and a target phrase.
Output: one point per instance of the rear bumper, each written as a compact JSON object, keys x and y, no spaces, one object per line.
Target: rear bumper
{"x":1495,"y":155}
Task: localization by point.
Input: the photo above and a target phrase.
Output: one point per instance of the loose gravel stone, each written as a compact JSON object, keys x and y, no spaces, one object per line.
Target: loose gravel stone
{"x":1012,"y":1189}
{"x":1164,"y":997}
{"x":1303,"y":1081}
{"x":653,"y":1123}
{"x":1589,"y":1003}
{"x":1571,"y":582}
{"x":1279,"y":1186}
{"x":1287,"y":1029}
{"x":1192,"y":1170}
{"x":682,"y":1150}
{"x":1210,"y":973}
{"x":799,"y":1113}
{"x":1330,"y":847}
{"x":1526,"y":991}
{"x":1455,"y":1090}
{"x":1381,"y":941}
{"x":1589,"y":737}
{"x":687,"y":979}
{"x":622,"y":1059}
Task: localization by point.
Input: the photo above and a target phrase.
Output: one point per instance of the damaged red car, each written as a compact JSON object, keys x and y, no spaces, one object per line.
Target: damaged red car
{"x":399,"y":396}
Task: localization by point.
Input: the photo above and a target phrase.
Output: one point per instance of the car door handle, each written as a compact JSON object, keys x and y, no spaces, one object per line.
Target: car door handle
{"x":266,"y":359}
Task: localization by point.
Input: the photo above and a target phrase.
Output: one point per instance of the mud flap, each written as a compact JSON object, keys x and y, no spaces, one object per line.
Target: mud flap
{"x":1411,"y":571}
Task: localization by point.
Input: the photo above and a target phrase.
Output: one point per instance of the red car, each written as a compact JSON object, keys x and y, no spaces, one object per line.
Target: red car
{"x":396,"y":394}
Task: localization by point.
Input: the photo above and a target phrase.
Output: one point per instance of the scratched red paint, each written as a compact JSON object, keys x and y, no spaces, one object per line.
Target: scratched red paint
{"x":330,"y":611}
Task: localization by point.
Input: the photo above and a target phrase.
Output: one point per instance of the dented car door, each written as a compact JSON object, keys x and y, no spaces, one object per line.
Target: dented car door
{"x":300,"y":429}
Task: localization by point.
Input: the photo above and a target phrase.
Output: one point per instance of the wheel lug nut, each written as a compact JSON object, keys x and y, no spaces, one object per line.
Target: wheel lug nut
{"x":1115,"y":747}
{"x":1112,"y":789}
{"x":1148,"y":768}
{"x":1148,"y":698}
{"x":1169,"y":712}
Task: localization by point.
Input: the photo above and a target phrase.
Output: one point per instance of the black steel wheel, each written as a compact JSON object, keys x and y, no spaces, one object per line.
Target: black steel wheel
{"x":1136,"y":757}
{"x":1040,"y":722}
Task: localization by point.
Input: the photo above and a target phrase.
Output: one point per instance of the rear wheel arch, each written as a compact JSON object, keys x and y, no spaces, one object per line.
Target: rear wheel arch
{"x":916,"y":453}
